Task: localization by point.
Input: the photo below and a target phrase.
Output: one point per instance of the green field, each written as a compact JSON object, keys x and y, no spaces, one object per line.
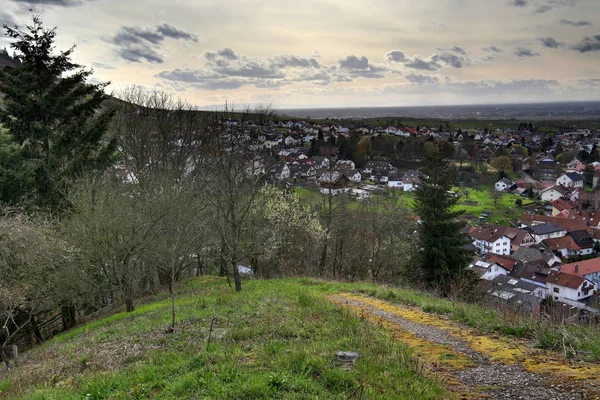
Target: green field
{"x":274,"y":340}
{"x":479,"y":201}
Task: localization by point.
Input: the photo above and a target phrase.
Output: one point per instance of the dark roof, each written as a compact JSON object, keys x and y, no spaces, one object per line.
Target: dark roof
{"x":582,"y":238}
{"x":544,"y":229}
{"x":574,"y":176}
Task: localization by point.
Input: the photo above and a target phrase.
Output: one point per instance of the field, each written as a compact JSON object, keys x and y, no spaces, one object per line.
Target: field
{"x":274,"y":340}
{"x":277,"y":339}
{"x":479,"y":201}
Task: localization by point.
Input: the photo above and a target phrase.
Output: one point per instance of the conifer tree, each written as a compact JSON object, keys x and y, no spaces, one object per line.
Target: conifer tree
{"x":442,"y":257}
{"x":54,"y":122}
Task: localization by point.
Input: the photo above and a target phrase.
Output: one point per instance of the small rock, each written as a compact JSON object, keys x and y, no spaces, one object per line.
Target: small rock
{"x":345,"y":357}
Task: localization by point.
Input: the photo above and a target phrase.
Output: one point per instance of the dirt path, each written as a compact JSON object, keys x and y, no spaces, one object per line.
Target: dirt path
{"x":475,"y":366}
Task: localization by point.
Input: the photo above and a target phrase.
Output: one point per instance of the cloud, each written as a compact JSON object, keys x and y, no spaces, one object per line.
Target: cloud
{"x":7,"y":19}
{"x":395,"y":56}
{"x":522,"y":52}
{"x":61,"y":3}
{"x":567,"y":22}
{"x":422,"y":79}
{"x":360,"y":67}
{"x":551,"y":43}
{"x":419,"y":63}
{"x":226,"y":69}
{"x":492,"y":49}
{"x":542,"y":9}
{"x":102,"y":65}
{"x":519,"y":3}
{"x":353,"y":62}
{"x":587,"y":44}
{"x":137,"y":44}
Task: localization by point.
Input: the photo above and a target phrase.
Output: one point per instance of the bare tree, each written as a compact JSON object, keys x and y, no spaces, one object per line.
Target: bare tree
{"x":234,"y":174}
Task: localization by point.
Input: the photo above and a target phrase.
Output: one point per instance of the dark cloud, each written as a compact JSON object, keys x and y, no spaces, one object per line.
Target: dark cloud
{"x":61,"y":3}
{"x":170,"y":31}
{"x":492,"y":49}
{"x":395,"y":56}
{"x":137,"y":44}
{"x":353,"y":62}
{"x":418,"y":63}
{"x":422,"y":79}
{"x":139,"y":54}
{"x":359,"y":67}
{"x":522,"y":52}
{"x":519,"y":3}
{"x":587,"y":44}
{"x":567,"y":22}
{"x":542,"y":9}
{"x":551,"y":43}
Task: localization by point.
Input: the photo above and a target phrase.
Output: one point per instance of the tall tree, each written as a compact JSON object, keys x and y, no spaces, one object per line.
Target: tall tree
{"x":442,"y":257}
{"x":55,"y":121}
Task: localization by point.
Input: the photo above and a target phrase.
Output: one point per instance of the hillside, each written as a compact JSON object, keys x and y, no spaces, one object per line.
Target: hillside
{"x":278,"y":339}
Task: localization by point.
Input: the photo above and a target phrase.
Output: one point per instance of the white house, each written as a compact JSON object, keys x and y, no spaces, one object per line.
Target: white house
{"x":291,"y":141}
{"x":282,"y":172}
{"x":345,"y":164}
{"x":570,"y":179}
{"x":562,"y":286}
{"x":410,"y":180}
{"x":353,"y":175}
{"x":395,"y":180}
{"x":490,"y":240}
{"x":552,"y":193}
{"x":503,"y":185}
{"x":545,"y":231}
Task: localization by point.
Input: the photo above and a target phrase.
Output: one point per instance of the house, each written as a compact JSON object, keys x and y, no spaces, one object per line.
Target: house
{"x":504,"y":185}
{"x":380,"y":175}
{"x":545,"y":231}
{"x":584,"y":241}
{"x":523,"y":295}
{"x":487,"y":269}
{"x":536,"y":252}
{"x":490,"y":239}
{"x":395,"y":180}
{"x":554,"y":192}
{"x":321,"y":162}
{"x":344,"y":164}
{"x":353,"y":175}
{"x":560,"y":205}
{"x":589,"y":269}
{"x":333,"y":182}
{"x":575,"y":166}
{"x":291,"y":141}
{"x":570,"y":180}
{"x":379,"y":165}
{"x":303,"y":170}
{"x":535,"y":272}
{"x":566,"y":246}
{"x":563,"y":286}
{"x":411,"y":180}
{"x":282,"y":171}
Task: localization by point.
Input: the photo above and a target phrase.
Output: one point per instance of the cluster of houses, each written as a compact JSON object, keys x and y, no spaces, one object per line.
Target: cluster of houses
{"x":341,"y":176}
{"x":529,"y":263}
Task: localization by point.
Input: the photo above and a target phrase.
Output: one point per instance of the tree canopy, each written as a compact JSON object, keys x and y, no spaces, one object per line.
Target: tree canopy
{"x":55,"y":121}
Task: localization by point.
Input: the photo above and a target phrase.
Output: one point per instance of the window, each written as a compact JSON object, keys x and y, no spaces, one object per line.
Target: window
{"x":556,"y":290}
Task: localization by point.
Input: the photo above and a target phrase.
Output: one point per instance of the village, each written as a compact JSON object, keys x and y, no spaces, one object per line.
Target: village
{"x":547,"y":254}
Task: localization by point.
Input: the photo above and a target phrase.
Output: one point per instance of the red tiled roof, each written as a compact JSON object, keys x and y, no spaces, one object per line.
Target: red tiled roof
{"x":583,"y":267}
{"x":506,"y":262}
{"x":561,"y":205}
{"x":565,"y":242}
{"x":564,"y":279}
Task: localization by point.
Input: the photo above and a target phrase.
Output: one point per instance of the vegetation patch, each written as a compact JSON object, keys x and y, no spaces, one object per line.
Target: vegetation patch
{"x":278,"y":341}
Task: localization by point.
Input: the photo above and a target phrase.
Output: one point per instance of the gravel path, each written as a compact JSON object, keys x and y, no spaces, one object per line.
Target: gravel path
{"x":495,"y":380}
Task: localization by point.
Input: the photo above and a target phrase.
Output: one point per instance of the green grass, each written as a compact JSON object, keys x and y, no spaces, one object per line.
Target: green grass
{"x":274,"y":340}
{"x":502,"y":212}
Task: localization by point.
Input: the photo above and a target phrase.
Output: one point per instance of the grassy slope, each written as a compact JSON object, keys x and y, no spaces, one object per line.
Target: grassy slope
{"x":279,"y":342}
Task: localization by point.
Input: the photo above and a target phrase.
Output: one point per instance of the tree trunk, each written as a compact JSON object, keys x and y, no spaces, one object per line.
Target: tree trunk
{"x":234,"y":249}
{"x":5,"y":358}
{"x":68,"y":317}
{"x":172,"y":290}
{"x":36,"y":329}
{"x":129,"y":300}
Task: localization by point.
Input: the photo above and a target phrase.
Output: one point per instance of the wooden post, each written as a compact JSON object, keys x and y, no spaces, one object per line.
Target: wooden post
{"x":16,"y":355}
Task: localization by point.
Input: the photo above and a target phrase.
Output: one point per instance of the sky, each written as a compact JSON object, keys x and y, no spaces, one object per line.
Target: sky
{"x":332,"y":53}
